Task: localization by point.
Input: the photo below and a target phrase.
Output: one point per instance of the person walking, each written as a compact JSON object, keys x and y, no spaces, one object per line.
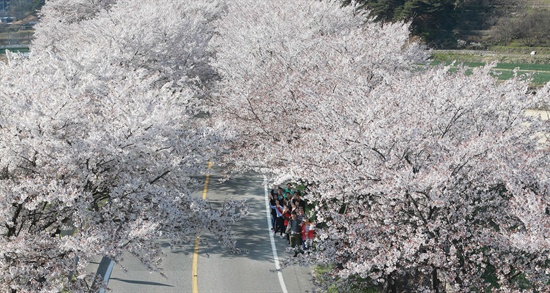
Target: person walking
{"x":295,"y":230}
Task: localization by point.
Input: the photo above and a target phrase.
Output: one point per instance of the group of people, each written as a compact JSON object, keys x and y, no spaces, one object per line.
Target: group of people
{"x":288,"y":218}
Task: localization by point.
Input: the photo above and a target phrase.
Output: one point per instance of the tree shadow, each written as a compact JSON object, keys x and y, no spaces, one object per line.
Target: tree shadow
{"x":142,"y":282}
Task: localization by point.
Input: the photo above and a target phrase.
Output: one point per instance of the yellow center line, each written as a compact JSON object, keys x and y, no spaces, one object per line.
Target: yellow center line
{"x":195,"y":267}
{"x":206,"y":181}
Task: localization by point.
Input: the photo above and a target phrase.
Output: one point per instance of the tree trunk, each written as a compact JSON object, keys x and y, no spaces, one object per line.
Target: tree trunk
{"x":435,"y":280}
{"x":391,"y":286}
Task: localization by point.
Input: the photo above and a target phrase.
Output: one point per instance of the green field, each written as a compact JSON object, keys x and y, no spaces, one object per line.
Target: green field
{"x":539,"y":73}
{"x":537,"y":68}
{"x":19,"y":36}
{"x":20,"y":50}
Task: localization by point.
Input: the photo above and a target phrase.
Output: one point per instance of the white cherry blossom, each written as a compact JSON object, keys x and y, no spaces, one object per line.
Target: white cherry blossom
{"x":100,"y":134}
{"x":420,"y":176}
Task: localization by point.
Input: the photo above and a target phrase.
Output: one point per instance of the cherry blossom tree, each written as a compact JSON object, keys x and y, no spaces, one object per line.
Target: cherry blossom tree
{"x":423,"y":179}
{"x":100,"y":137}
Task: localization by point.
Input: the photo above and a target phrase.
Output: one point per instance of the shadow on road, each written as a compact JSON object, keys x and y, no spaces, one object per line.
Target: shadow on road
{"x":142,"y":282}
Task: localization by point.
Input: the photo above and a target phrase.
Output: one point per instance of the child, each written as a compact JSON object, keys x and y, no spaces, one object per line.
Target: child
{"x":308,"y":232}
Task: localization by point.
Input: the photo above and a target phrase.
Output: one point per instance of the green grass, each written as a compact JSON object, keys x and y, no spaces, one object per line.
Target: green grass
{"x":523,"y":66}
{"x":538,"y":72}
{"x":20,"y":50}
{"x":15,"y":34}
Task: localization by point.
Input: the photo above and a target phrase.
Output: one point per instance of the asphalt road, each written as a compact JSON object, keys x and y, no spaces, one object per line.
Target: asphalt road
{"x":254,"y":270}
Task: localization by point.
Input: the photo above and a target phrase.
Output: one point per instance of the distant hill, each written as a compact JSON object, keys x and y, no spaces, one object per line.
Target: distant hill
{"x":442,"y":24}
{"x":20,"y":8}
{"x":527,"y":24}
{"x":473,"y":24}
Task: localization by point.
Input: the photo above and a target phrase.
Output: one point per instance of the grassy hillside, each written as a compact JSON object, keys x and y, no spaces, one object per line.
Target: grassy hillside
{"x":526,"y":24}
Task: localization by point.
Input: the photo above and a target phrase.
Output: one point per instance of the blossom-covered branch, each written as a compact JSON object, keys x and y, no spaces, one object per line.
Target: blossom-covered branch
{"x":423,"y":177}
